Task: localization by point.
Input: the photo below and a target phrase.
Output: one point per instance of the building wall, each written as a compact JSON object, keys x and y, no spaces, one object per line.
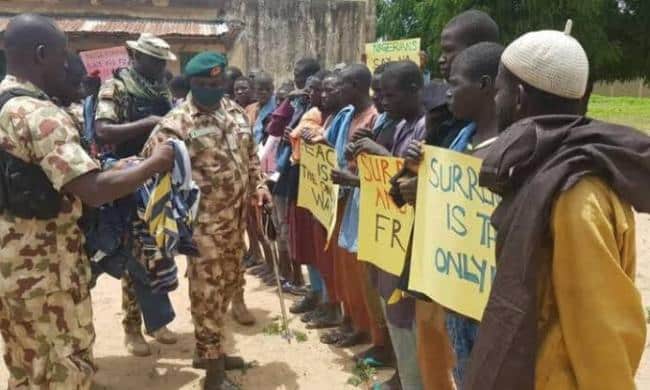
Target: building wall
{"x":276,"y":32}
{"x":279,"y":32}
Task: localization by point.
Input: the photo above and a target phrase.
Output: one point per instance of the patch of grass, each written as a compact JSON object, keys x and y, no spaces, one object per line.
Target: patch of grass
{"x":273,"y":329}
{"x":628,"y":111}
{"x":362,"y":374}
{"x":276,"y":328}
{"x":301,"y":337}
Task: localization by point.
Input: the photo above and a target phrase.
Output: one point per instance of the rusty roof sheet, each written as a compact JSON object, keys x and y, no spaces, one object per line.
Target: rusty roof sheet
{"x":137,"y":26}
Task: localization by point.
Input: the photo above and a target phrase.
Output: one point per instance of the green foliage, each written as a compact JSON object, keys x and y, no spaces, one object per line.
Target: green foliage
{"x":615,"y":33}
{"x":362,"y":374}
{"x":273,"y":329}
{"x":276,"y":328}
{"x":633,"y":112}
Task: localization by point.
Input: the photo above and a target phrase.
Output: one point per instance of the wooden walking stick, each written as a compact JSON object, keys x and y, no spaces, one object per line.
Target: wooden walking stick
{"x":274,"y":254}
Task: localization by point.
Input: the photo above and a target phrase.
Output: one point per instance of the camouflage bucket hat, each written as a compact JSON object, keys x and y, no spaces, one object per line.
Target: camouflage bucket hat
{"x":153,"y":46}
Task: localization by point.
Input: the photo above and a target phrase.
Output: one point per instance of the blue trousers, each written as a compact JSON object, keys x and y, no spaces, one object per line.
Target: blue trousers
{"x":463,"y":332}
{"x":317,"y":283}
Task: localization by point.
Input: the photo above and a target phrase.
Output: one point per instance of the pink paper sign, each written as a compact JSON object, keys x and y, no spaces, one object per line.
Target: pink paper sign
{"x":105,"y":60}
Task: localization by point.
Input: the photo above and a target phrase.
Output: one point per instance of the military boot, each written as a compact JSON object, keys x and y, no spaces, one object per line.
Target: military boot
{"x":136,"y":344}
{"x":215,"y":377}
{"x":230,"y":363}
{"x":240,"y":312}
{"x":164,"y":336}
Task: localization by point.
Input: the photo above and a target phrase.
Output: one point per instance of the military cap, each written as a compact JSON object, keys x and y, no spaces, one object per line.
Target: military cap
{"x":152,"y":46}
{"x":206,"y":64}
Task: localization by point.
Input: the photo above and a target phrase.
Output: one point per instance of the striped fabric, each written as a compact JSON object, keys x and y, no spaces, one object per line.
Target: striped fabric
{"x":167,"y":208}
{"x":159,"y":216}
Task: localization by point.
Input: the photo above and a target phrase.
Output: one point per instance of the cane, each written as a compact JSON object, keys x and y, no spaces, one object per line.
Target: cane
{"x":276,"y":268}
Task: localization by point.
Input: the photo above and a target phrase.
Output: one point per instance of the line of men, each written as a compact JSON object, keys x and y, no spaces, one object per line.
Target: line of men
{"x":564,"y":312}
{"x":563,"y":304}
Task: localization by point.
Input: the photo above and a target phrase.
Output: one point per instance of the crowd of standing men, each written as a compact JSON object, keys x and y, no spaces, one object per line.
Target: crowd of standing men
{"x":563,"y":313}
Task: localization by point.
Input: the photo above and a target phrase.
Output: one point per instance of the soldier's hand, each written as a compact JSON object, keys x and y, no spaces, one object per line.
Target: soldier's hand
{"x":153,"y":120}
{"x":162,"y":158}
{"x":126,"y":162}
{"x":263,"y":197}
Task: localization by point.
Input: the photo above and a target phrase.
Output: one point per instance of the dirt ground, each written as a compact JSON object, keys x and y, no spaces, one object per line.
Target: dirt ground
{"x":306,"y":365}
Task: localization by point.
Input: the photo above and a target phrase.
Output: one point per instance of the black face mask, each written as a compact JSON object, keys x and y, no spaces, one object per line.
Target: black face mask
{"x":208,"y":96}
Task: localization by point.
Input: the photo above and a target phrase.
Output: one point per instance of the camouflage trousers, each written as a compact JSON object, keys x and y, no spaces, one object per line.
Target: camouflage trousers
{"x":132,"y":320}
{"x":214,"y":278}
{"x":48,"y":341}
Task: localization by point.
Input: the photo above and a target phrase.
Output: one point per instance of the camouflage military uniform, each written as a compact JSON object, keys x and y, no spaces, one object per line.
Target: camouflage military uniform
{"x":226,"y":168}
{"x":112,"y":107}
{"x":239,"y":114}
{"x":45,"y":310}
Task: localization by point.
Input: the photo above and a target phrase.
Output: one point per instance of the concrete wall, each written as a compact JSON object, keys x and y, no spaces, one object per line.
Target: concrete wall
{"x":279,"y":32}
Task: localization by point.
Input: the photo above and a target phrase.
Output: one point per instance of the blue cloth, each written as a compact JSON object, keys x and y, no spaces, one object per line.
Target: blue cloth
{"x":380,"y":123}
{"x":157,"y":309}
{"x":89,"y":108}
{"x":337,"y":133}
{"x":349,"y":234}
{"x":265,"y":111}
{"x":107,"y":230}
{"x":464,"y":138}
{"x":463,"y":332}
{"x":315,"y":279}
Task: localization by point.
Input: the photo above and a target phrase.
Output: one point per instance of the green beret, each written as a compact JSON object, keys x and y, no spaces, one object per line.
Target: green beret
{"x":206,"y":64}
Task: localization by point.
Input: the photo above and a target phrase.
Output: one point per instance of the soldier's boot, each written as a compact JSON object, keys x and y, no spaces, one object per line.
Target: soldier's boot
{"x":230,"y":363}
{"x":215,"y":377}
{"x":136,"y":344}
{"x":164,"y":336}
{"x":239,"y":310}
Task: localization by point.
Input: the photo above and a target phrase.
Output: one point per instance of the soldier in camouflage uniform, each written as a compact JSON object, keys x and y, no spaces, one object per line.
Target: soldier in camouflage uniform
{"x":45,"y":309}
{"x":239,"y":311}
{"x":226,"y":168}
{"x":130,"y":106}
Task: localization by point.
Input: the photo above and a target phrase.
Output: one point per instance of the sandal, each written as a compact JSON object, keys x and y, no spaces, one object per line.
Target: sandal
{"x":332,"y":337}
{"x":351,"y":339}
{"x":323,"y":323}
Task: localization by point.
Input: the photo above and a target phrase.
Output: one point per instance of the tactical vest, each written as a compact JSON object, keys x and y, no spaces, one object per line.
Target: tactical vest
{"x":139,"y":108}
{"x":25,"y":190}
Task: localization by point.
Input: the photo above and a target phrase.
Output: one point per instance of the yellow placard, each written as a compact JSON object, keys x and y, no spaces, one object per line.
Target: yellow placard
{"x":378,"y":53}
{"x":453,"y":260}
{"x":384,"y":228}
{"x":316,"y":192}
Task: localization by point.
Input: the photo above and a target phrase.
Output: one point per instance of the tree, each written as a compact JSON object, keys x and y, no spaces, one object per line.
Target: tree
{"x":615,"y":33}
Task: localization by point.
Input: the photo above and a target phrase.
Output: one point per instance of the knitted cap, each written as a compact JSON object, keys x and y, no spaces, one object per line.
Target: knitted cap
{"x":551,"y":61}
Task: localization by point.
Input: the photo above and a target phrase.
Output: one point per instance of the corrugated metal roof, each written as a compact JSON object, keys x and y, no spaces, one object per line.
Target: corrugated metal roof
{"x":137,"y":26}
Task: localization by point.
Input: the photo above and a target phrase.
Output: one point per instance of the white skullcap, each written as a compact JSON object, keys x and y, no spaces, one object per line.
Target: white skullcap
{"x":551,"y":61}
